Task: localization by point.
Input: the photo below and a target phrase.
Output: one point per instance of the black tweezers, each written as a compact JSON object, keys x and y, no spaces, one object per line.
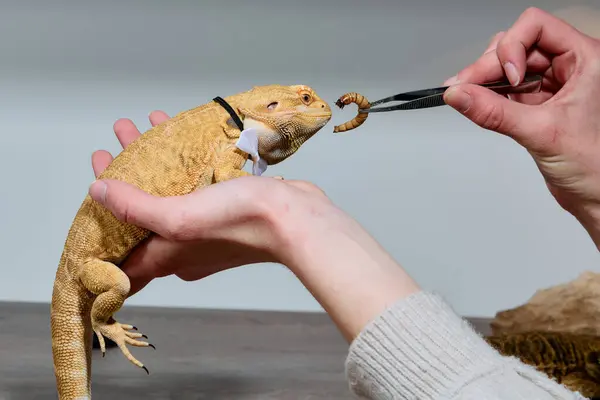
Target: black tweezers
{"x":434,"y":97}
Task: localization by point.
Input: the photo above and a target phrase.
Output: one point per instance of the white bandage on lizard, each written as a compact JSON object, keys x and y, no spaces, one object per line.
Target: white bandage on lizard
{"x":248,"y":143}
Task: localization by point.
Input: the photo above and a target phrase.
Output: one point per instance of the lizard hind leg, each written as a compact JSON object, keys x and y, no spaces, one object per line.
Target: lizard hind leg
{"x":111,"y":286}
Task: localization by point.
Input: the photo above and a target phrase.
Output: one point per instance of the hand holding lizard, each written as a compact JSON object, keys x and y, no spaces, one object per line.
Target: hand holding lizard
{"x":257,"y":219}
{"x":226,"y":226}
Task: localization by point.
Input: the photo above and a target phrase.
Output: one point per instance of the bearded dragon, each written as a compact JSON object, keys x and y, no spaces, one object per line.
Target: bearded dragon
{"x":202,"y":146}
{"x":572,"y":359}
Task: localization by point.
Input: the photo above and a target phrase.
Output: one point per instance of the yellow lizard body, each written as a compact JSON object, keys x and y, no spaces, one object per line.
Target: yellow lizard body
{"x":194,"y":149}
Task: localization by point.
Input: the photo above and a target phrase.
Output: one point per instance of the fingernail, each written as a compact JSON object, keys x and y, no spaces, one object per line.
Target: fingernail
{"x":98,"y":191}
{"x":511,"y":73}
{"x":452,"y":81}
{"x":458,"y":99}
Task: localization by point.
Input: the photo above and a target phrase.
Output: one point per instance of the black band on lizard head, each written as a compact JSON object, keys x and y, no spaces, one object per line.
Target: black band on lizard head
{"x":231,"y":112}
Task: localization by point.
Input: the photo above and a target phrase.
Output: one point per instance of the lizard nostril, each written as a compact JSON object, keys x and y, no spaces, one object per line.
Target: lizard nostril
{"x":322,"y":105}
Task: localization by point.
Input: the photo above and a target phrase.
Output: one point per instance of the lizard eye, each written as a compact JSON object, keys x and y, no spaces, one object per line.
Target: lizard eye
{"x":306,"y":98}
{"x":272,"y":105}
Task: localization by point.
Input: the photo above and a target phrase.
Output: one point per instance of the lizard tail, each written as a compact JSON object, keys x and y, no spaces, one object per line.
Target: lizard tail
{"x":71,"y":332}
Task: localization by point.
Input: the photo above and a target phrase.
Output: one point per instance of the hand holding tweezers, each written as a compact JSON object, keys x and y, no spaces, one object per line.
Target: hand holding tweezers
{"x":434,"y":97}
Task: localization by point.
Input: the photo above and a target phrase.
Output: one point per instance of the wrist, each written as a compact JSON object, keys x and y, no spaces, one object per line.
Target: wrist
{"x":585,"y":209}
{"x":351,"y":276}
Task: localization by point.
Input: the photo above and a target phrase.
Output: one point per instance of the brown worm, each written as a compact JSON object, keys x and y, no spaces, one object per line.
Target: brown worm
{"x":360,"y":118}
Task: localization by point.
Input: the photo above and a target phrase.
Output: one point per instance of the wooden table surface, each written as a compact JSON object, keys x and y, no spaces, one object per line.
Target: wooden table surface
{"x":200,"y":354}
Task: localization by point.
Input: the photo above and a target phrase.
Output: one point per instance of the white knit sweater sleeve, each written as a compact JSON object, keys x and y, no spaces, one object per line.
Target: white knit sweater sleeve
{"x":420,"y":349}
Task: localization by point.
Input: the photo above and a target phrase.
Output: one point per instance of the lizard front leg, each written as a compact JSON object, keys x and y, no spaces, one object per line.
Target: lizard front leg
{"x":111,"y":286}
{"x":229,"y":166}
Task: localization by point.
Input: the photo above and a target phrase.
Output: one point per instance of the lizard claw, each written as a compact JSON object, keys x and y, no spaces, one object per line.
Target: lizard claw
{"x":121,"y":334}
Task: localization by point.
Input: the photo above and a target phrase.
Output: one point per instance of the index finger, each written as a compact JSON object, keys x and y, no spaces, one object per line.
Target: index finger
{"x":548,"y":33}
{"x":488,"y":68}
{"x":529,"y":44}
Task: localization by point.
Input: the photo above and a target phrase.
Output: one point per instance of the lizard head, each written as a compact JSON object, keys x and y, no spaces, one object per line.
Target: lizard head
{"x":285,"y":116}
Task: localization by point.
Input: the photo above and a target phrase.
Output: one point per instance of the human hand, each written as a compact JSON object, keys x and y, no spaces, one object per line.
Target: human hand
{"x":227,"y":225}
{"x":560,"y":126}
{"x":256,"y":219}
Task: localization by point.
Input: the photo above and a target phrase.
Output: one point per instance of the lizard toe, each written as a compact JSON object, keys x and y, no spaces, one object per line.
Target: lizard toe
{"x":121,"y":335}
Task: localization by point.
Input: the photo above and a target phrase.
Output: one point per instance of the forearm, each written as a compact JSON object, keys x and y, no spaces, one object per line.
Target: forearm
{"x":405,"y":343}
{"x":344,"y":268}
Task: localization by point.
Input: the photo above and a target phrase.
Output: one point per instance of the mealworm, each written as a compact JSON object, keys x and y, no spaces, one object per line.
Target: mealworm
{"x":360,"y":118}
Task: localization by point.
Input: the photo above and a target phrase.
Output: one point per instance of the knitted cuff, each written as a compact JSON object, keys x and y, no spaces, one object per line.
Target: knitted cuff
{"x":416,"y":349}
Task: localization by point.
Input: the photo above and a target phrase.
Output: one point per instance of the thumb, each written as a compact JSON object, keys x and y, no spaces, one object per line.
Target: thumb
{"x":496,"y":113}
{"x":130,"y":204}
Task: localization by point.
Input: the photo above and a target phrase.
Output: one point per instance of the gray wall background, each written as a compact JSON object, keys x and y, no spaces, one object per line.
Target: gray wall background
{"x":463,"y":209}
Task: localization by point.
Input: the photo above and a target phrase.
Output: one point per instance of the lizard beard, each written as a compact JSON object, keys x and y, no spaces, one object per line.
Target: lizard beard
{"x":274,"y":148}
